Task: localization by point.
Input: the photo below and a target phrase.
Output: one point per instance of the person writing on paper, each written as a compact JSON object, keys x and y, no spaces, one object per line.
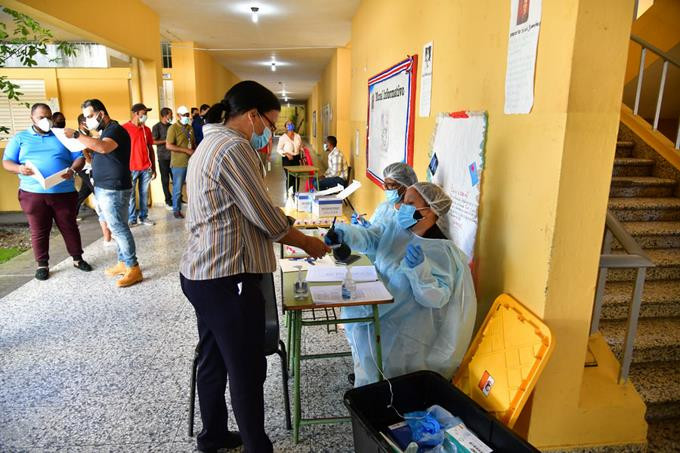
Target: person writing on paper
{"x":429,"y":325}
{"x":38,"y":147}
{"x":289,"y":147}
{"x":232,"y":222}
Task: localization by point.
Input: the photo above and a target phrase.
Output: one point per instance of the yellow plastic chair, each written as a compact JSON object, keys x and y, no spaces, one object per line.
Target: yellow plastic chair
{"x":505,"y":359}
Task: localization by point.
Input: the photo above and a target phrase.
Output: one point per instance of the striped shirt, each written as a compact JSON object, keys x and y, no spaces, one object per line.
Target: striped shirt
{"x":231,"y":220}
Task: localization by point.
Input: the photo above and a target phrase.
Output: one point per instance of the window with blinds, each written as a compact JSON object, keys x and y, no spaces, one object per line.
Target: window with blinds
{"x":15,"y":115}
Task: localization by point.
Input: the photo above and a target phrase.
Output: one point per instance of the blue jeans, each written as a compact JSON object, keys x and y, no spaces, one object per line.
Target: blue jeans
{"x":113,"y":205}
{"x":179,"y":175}
{"x":144,"y":179}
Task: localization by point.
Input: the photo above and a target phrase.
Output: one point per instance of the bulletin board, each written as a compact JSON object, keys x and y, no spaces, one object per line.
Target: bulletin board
{"x":456,"y":165}
{"x":390,"y":121}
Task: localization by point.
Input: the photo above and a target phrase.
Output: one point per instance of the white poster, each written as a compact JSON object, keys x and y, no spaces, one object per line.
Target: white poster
{"x":426,"y":81}
{"x":456,"y":165}
{"x":525,"y":23}
{"x":390,"y":118}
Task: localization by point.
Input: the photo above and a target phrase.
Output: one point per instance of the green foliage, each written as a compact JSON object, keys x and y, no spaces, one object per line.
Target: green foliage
{"x":7,"y":253}
{"x":25,"y":39}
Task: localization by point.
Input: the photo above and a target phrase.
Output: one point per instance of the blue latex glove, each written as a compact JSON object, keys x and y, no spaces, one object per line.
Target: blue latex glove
{"x":414,"y":255}
{"x":355,"y":220}
{"x":338,"y":239}
{"x":363,"y":222}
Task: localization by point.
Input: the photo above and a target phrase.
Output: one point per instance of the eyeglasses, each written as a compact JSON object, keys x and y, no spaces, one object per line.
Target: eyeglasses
{"x":271,"y":126}
{"x":392,"y":186}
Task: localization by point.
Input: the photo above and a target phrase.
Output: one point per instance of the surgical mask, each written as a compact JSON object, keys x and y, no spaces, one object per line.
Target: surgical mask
{"x":259,"y":141}
{"x":407,"y":216}
{"x":142,"y":119}
{"x":184,"y":120}
{"x":93,"y":123}
{"x":325,"y":147}
{"x":290,"y":127}
{"x":44,"y":124}
{"x":392,"y":196}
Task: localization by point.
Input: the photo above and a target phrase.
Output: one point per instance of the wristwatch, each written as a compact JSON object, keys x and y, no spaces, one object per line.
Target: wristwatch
{"x":76,"y":134}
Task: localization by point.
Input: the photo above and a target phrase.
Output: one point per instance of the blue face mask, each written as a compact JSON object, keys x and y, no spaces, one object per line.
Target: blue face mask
{"x":392,"y":196}
{"x":259,"y":141}
{"x":290,"y":127}
{"x":405,"y":216}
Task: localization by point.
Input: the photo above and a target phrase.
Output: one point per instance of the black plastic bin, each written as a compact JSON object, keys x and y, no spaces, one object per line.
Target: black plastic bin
{"x":415,"y":392}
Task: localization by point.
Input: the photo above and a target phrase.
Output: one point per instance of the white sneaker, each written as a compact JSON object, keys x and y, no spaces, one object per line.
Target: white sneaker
{"x":146,"y":222}
{"x":168,"y":207}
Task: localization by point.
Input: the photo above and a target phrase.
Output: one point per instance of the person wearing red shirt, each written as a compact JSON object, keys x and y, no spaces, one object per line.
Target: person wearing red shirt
{"x":142,"y":164}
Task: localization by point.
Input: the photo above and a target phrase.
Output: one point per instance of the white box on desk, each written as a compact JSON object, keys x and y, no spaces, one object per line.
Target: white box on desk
{"x":327,"y":207}
{"x":304,"y":201}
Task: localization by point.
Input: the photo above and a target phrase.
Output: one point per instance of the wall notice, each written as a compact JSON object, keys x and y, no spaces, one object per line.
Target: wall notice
{"x":426,"y":81}
{"x":391,"y":103}
{"x":456,"y":165}
{"x":525,"y":23}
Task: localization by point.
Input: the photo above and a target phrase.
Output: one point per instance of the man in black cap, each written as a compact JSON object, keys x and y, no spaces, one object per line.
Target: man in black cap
{"x":142,"y":164}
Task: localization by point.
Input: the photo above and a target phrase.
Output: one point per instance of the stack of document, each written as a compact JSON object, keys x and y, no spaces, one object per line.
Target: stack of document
{"x":365,"y":293}
{"x":292,"y":264}
{"x":326,"y":274}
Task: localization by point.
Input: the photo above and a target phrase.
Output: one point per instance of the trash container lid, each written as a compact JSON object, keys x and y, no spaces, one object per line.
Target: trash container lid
{"x":505,"y":359}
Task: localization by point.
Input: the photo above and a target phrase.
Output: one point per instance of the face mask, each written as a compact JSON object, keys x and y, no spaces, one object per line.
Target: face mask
{"x":260,"y":141}
{"x":93,"y":123}
{"x":44,"y":124}
{"x":142,"y":119}
{"x":392,"y":196}
{"x":290,"y":127}
{"x":407,"y":216}
{"x":184,"y":120}
{"x":325,"y":147}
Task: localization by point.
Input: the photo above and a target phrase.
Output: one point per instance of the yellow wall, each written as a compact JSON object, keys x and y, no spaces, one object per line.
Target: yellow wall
{"x":544,"y":190}
{"x":71,"y":87}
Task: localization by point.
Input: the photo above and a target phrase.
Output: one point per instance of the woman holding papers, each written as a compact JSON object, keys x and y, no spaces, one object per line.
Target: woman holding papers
{"x":46,"y":189}
{"x":429,"y":325}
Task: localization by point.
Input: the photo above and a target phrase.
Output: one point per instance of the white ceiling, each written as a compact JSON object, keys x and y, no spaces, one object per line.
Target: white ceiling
{"x":299,"y":34}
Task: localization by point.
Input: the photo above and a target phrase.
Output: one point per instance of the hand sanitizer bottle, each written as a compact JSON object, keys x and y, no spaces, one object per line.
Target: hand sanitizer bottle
{"x":348,"y":286}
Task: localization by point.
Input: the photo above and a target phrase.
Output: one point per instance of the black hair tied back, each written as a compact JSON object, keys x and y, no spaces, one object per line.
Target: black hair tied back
{"x":217,"y":114}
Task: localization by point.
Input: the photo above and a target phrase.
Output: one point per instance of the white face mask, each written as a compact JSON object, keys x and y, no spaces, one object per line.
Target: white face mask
{"x":142,"y":119}
{"x":325,"y":147}
{"x":184,"y":120}
{"x":44,"y":124}
{"x":92,"y":123}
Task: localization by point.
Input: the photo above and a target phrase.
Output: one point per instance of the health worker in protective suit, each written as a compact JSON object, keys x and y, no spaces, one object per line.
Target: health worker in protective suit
{"x":429,"y":324}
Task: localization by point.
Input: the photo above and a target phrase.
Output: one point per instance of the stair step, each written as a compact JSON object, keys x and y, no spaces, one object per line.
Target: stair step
{"x":660,"y":299}
{"x":641,"y":186}
{"x":667,"y":267}
{"x":653,"y":235}
{"x":657,"y":340}
{"x":645,"y":209}
{"x":664,"y":436}
{"x":659,"y":385}
{"x":631,"y":166}
{"x":624,"y":148}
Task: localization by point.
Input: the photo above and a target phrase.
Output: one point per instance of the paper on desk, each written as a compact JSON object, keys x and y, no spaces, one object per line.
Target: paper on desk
{"x":330,"y":191}
{"x":325,"y":274}
{"x":50,"y":181}
{"x":349,"y":190}
{"x":290,"y":264}
{"x":365,"y":292}
{"x":71,"y":144}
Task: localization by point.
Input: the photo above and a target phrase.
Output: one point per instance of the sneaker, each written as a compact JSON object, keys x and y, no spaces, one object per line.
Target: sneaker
{"x":178,"y":215}
{"x":132,"y":275}
{"x":146,"y":222}
{"x":132,"y":223}
{"x":118,"y":269}
{"x":79,"y":219}
{"x":82,"y":265}
{"x":169,"y":207}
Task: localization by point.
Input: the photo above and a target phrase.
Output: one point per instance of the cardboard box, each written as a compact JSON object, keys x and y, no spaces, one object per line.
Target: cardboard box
{"x":304,"y":201}
{"x":327,"y":207}
{"x":466,"y":441}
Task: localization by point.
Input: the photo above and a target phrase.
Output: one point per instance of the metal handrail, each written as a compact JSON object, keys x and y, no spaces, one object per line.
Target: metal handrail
{"x":667,"y":58}
{"x":634,"y":258}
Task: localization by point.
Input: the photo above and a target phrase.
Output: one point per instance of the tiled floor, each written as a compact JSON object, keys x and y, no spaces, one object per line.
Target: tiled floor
{"x":86,"y":366}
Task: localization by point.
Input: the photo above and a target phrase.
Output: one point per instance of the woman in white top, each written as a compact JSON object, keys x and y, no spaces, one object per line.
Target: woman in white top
{"x":290,"y":145}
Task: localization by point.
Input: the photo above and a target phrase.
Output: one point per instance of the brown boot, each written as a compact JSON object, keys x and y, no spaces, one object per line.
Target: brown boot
{"x":118,"y":269}
{"x":132,"y":275}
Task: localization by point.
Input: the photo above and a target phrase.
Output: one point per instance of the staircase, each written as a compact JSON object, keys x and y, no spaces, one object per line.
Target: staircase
{"x":644,"y":197}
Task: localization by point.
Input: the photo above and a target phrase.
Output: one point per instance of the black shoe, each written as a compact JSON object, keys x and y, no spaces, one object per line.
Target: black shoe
{"x":178,"y":215}
{"x":233,"y":441}
{"x":82,"y":265}
{"x":42,"y":273}
{"x":351,"y":378}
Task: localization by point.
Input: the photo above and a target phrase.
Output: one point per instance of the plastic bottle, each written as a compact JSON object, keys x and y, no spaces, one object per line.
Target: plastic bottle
{"x":348,"y":286}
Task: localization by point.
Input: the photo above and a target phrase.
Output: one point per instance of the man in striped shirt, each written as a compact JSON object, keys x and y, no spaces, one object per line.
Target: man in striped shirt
{"x":337,"y":168}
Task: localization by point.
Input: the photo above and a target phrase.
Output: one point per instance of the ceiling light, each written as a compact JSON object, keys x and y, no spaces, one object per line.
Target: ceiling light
{"x":273,"y":66}
{"x":285,"y":99}
{"x":253,"y":15}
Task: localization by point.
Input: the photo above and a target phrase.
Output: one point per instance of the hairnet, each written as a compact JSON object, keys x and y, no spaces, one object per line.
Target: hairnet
{"x":401,"y":172}
{"x":435,"y":197}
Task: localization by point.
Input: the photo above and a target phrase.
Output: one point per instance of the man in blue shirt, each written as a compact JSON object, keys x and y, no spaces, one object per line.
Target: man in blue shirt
{"x":198,"y":122}
{"x":35,"y":155}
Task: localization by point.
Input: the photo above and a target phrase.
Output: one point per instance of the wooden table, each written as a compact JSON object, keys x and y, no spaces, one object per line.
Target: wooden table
{"x":301,"y":171}
{"x":294,"y":309}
